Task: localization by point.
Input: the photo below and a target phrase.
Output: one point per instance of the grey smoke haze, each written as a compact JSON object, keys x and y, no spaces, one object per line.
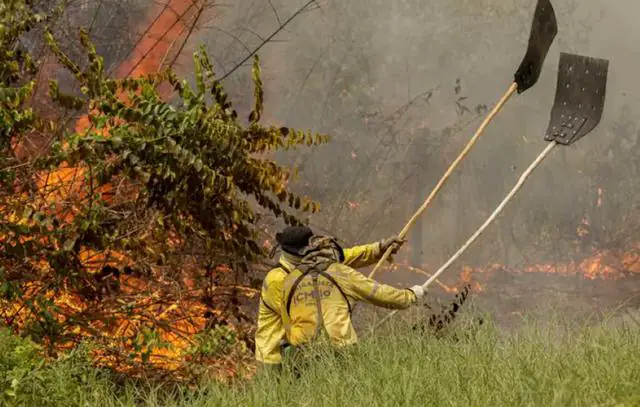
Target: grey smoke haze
{"x":348,"y":61}
{"x":353,"y":59}
{"x":399,"y":49}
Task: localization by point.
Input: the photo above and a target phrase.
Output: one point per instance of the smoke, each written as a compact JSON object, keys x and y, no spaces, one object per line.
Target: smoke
{"x":347,"y":67}
{"x":402,"y":85}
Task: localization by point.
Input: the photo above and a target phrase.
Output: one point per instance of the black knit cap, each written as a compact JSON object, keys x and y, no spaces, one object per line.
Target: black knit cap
{"x":294,"y":238}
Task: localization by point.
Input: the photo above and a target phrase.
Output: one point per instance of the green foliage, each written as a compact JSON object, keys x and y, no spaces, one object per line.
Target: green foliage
{"x":214,"y":342}
{"x":16,"y":18}
{"x":18,"y":357}
{"x":218,"y":351}
{"x":169,"y":184}
{"x":27,"y":379}
{"x":558,"y":363}
{"x":192,"y":160}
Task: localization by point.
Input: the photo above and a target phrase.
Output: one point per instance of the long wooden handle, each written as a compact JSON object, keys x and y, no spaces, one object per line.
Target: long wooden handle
{"x":486,"y":223}
{"x":512,"y":89}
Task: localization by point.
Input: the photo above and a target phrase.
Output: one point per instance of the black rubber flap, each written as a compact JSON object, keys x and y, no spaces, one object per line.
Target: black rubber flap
{"x":580,"y":96}
{"x":543,"y":31}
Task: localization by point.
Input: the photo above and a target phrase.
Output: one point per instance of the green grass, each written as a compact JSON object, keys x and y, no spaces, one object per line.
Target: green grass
{"x":550,"y":364}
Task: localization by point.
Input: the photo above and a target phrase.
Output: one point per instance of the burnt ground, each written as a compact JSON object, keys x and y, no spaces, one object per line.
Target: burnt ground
{"x":509,"y":298}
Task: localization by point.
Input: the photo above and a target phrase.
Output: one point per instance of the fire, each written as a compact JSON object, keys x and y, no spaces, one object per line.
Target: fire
{"x":154,"y":46}
{"x":599,"y":200}
{"x":137,"y":304}
{"x":466,"y":278}
{"x":583,"y":228}
{"x":152,"y":49}
{"x":600,"y":265}
{"x":447,"y":288}
{"x":147,"y":57}
{"x":631,"y":260}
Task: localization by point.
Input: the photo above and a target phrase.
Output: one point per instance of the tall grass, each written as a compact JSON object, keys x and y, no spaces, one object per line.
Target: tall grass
{"x":542,"y":364}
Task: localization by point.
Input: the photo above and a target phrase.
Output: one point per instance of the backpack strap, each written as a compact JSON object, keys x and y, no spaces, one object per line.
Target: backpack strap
{"x":329,"y":277}
{"x":294,"y":286}
{"x":283,"y":267}
{"x":267,"y":305}
{"x":320,"y":327}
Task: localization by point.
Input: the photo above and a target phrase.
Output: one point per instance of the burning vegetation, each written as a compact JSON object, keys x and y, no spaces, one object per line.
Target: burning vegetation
{"x":135,"y":229}
{"x":132,"y":229}
{"x":604,"y":264}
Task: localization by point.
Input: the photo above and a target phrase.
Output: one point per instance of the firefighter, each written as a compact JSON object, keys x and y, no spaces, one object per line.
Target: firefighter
{"x":319,"y":294}
{"x":270,"y":333}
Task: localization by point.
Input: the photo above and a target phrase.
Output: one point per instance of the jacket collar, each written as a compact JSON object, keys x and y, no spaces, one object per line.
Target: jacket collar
{"x":289,"y":262}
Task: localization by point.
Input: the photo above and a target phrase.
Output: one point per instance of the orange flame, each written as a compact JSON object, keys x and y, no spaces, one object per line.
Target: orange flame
{"x":67,"y":187}
{"x":600,"y":265}
{"x":599,"y":200}
{"x":152,"y":49}
{"x":583,"y":228}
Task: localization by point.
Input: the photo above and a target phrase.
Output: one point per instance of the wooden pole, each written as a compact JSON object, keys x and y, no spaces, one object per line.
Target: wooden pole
{"x":484,"y":226}
{"x":512,"y":89}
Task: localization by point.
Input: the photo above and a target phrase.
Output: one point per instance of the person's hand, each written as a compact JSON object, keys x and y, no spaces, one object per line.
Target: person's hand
{"x":393,"y":242}
{"x":419,"y":291}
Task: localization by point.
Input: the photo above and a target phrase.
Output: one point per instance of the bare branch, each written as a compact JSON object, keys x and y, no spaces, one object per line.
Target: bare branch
{"x":275,"y":12}
{"x":146,"y":31}
{"x":268,"y":39}
{"x":95,"y":16}
{"x":133,"y":68}
{"x":233,"y":36}
{"x":186,"y":39}
{"x":261,"y":38}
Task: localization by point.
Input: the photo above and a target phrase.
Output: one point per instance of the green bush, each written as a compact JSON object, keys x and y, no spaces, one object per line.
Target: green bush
{"x":554,"y":364}
{"x":130,"y":212}
{"x":28,"y":379}
{"x":215,"y":342}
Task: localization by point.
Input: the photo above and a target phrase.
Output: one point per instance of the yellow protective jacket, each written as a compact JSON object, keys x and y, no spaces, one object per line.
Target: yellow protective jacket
{"x":317,"y":303}
{"x":270,"y":331}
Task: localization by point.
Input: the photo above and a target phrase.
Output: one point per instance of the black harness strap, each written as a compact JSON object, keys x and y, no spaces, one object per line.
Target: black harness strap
{"x":294,"y":286}
{"x":334,"y":282}
{"x":320,"y":327}
{"x":267,"y":305}
{"x":282,"y":266}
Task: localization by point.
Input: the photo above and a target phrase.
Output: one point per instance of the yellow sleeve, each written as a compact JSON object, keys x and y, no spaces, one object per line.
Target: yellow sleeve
{"x":362,"y":256}
{"x":270,"y":330}
{"x":362,"y":288}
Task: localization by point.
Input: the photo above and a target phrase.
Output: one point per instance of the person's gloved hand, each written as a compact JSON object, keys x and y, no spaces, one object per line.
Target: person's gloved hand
{"x":393,"y":242}
{"x":419,"y":291}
